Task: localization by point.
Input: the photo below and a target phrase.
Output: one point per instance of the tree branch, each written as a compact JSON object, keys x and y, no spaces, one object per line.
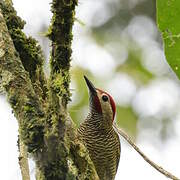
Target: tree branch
{"x":21,"y":96}
{"x":23,"y":161}
{"x":32,"y":59}
{"x":66,"y":157}
{"x":49,"y":135}
{"x":60,"y":33}
{"x":29,"y":50}
{"x":154,"y":165}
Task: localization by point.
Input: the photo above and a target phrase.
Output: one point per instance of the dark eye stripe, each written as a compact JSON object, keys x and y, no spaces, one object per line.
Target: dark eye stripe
{"x":104,"y":98}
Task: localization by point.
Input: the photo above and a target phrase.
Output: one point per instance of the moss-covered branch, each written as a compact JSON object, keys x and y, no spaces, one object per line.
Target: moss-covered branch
{"x":66,"y":157}
{"x":49,"y":135}
{"x":21,"y":96}
{"x":28,"y":48}
{"x":60,"y":33}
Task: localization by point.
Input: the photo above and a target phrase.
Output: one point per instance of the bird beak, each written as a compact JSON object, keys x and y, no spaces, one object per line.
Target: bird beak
{"x":91,"y":87}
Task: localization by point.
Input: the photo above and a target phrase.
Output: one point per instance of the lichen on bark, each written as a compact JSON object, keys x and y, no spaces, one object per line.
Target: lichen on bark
{"x":60,"y":33}
{"x":29,"y":50}
{"x":20,"y":92}
{"x":45,"y":126}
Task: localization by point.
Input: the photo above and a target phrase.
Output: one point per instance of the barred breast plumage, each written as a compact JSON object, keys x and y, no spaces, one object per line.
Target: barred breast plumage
{"x":103,"y":146}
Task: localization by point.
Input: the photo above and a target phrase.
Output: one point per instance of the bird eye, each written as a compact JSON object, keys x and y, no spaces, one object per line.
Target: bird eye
{"x":104,"y":98}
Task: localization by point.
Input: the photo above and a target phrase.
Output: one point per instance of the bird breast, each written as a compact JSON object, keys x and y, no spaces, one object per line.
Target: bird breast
{"x":103,"y":146}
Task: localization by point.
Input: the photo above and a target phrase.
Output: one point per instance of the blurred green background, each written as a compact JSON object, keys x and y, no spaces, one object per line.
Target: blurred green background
{"x":118,"y":46}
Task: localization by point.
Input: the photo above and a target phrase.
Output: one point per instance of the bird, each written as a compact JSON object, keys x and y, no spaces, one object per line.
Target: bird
{"x":98,"y":135}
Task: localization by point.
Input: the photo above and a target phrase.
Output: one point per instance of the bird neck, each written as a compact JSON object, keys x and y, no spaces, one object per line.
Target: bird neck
{"x":99,"y":121}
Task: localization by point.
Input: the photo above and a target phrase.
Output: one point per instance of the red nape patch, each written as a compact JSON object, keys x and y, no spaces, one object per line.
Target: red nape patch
{"x":113,"y":105}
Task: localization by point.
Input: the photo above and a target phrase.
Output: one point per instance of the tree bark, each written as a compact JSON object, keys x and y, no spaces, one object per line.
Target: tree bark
{"x":40,"y":103}
{"x":23,"y":161}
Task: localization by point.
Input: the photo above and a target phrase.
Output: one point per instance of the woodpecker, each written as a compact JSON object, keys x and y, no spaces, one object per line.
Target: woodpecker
{"x":98,"y":134}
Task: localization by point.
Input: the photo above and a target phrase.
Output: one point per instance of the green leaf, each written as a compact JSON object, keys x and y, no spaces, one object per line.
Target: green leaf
{"x":168,"y":20}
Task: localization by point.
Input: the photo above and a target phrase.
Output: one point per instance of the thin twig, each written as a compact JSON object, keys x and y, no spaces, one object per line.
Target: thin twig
{"x":157,"y":167}
{"x":23,"y":161}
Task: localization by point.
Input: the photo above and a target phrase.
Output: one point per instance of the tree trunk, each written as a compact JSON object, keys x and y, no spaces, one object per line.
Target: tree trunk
{"x":40,"y":103}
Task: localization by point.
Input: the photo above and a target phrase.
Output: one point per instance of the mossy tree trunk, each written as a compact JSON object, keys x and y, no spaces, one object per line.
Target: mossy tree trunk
{"x":40,"y":103}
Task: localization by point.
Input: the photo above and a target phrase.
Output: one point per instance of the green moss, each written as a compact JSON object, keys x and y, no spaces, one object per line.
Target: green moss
{"x":10,"y":15}
{"x":86,"y":169}
{"x":30,"y":118}
{"x":57,"y":153}
{"x":55,"y":162}
{"x":63,"y":16}
{"x":72,"y":169}
{"x":32,"y":130}
{"x":27,"y":47}
{"x":29,"y":52}
{"x":60,"y":85}
{"x":60,"y":33}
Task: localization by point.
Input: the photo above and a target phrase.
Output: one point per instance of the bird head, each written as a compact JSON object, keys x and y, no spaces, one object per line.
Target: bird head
{"x":101,"y":102}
